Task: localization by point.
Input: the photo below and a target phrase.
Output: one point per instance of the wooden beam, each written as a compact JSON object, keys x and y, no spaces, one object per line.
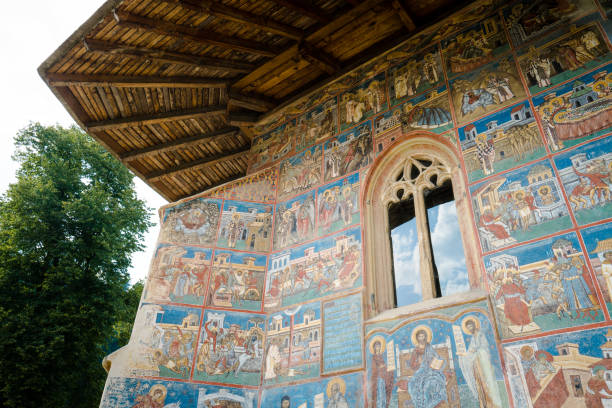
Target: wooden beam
{"x":177,"y":144}
{"x":318,"y":58}
{"x":243,"y":17}
{"x":403,"y":14}
{"x":312,"y":38}
{"x":306,"y":9}
{"x":167,"y":56}
{"x":118,"y":81}
{"x":200,"y":36}
{"x":257,"y":103}
{"x":242,"y":118}
{"x":198,"y":164}
{"x":142,"y":120}
{"x":363,"y":57}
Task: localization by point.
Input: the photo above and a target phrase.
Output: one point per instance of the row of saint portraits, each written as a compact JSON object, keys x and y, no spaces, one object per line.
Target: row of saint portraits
{"x":483,"y":77}
{"x":239,"y":348}
{"x":442,"y":363}
{"x":433,"y":361}
{"x":248,"y":226}
{"x":337,"y":392}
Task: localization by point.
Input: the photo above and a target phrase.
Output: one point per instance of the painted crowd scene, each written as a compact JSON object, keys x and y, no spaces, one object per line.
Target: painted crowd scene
{"x":257,"y":294}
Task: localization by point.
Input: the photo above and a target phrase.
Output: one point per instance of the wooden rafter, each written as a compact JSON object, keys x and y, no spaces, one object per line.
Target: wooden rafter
{"x":319,"y":58}
{"x":240,"y":16}
{"x":198,"y":164}
{"x":242,"y":118}
{"x":306,"y":9}
{"x":253,"y":102}
{"x":119,"y":81}
{"x":205,"y":37}
{"x":253,"y":78}
{"x":142,"y":120}
{"x":167,"y":56}
{"x":180,"y":143}
{"x":403,"y":14}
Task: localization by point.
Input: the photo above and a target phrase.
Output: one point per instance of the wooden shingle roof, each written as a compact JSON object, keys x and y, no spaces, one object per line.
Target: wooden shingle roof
{"x":172,"y":88}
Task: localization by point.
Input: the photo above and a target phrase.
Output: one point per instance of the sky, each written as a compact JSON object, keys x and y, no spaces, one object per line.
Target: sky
{"x":31,"y":31}
{"x":449,"y":257}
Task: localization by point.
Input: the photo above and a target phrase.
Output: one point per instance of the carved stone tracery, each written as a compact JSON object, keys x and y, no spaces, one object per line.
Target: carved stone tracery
{"x":418,"y":172}
{"x":410,"y":169}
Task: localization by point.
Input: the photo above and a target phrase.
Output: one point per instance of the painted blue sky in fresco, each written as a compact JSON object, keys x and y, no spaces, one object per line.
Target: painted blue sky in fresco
{"x":536,"y":251}
{"x":595,"y":234}
{"x":191,"y":251}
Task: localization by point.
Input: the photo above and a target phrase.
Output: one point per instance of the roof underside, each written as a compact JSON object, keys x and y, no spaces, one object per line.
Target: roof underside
{"x":173,"y":88}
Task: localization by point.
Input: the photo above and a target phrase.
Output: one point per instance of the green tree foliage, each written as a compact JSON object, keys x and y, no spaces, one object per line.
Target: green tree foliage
{"x":68,"y":227}
{"x":124,"y":318}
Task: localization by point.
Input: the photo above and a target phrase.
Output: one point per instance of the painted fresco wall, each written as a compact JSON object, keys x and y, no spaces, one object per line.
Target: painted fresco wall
{"x":255,"y":296}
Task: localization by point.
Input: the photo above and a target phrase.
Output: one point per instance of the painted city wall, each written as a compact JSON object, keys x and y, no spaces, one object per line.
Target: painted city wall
{"x":255,"y":295}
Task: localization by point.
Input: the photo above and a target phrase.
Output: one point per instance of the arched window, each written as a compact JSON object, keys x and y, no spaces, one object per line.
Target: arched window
{"x":406,"y":179}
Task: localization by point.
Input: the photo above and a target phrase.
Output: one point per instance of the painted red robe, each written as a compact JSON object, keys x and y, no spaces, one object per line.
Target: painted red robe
{"x":596,"y":385}
{"x":488,"y":222}
{"x":515,"y":308}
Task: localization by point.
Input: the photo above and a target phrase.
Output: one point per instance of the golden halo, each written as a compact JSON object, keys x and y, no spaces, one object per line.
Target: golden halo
{"x":558,"y":101}
{"x":347,"y":190}
{"x":542,"y":188}
{"x":338,"y":381}
{"x":465,"y":321}
{"x":526,"y":353}
{"x":519,"y":195}
{"x":417,"y":329}
{"x":158,"y":387}
{"x":601,"y":84}
{"x":381,"y":340}
{"x":609,"y":77}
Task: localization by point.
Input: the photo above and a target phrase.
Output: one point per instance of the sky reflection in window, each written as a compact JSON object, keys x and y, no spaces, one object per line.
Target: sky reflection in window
{"x":449,"y":256}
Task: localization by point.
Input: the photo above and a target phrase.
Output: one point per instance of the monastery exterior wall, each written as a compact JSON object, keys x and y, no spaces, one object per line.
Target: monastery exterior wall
{"x":256,"y":294}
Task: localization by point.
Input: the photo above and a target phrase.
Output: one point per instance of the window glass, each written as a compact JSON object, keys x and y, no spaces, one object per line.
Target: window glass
{"x":406,"y":264}
{"x":450,"y":272}
{"x":447,"y":248}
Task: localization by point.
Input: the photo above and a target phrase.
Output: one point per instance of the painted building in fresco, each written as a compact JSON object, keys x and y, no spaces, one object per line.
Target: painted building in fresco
{"x":257,"y":294}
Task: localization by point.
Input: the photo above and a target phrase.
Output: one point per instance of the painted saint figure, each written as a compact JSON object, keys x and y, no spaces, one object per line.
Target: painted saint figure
{"x":273,"y":357}
{"x":571,"y":271}
{"x":427,"y":387}
{"x":597,"y":389}
{"x":516,"y":308}
{"x":476,"y":366}
{"x":155,"y":398}
{"x":381,"y":380}
{"x":485,"y":150}
{"x":335,"y":392}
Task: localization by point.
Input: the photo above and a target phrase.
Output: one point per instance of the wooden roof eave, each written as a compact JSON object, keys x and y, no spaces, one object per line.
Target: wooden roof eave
{"x":65,"y":96}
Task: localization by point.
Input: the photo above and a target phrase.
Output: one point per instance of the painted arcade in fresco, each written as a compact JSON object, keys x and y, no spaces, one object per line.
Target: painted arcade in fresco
{"x":257,"y":298}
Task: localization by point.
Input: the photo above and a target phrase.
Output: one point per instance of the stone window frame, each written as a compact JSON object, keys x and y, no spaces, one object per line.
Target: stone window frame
{"x":385,"y":184}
